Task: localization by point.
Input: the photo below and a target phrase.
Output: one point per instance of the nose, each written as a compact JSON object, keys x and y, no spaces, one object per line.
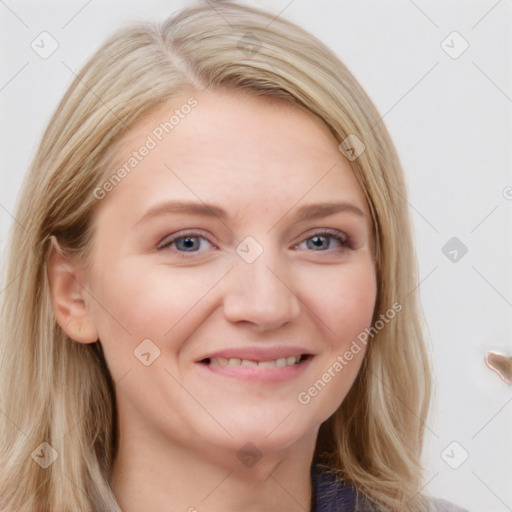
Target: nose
{"x":260,"y":293}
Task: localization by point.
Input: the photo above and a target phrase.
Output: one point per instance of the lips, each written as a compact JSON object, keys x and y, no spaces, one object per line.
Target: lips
{"x":265,"y":364}
{"x":252,"y":356}
{"x":273,"y":363}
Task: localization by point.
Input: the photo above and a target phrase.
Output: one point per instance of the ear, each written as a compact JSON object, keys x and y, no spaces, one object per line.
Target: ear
{"x":69,"y":297}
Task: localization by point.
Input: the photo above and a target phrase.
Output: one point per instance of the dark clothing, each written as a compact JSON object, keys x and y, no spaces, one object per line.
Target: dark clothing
{"x":331,"y":494}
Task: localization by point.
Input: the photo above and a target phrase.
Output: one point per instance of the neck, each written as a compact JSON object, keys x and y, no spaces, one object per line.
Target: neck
{"x":157,"y":474}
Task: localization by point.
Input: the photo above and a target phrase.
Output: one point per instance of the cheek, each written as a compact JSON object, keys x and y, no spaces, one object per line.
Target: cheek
{"x":343,"y":299}
{"x":343,"y":302}
{"x":135,"y":301}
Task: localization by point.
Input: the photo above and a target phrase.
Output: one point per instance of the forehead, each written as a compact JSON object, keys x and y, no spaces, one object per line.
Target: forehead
{"x":233,"y":148}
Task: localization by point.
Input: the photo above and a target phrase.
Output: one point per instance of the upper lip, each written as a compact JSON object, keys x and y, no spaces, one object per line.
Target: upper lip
{"x":259,"y":353}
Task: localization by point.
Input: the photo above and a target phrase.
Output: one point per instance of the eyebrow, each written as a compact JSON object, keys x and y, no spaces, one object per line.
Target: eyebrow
{"x":318,"y":210}
{"x":184,"y":207}
{"x":302,"y":213}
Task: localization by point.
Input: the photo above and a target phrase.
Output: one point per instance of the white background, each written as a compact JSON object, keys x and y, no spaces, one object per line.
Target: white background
{"x":451,"y":123}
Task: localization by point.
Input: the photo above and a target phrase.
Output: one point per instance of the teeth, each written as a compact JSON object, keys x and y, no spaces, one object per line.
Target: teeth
{"x":235,"y":361}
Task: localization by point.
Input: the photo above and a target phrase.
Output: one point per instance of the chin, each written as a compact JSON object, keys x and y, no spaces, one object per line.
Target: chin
{"x":266,"y":436}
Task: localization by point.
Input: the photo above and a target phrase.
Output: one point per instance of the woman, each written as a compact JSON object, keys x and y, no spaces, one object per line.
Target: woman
{"x":213,"y":266}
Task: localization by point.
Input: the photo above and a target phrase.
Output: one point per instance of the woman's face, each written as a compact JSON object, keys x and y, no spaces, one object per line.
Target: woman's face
{"x":237,"y":244}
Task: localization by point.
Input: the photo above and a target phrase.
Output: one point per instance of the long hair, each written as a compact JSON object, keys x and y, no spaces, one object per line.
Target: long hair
{"x":59,"y":392}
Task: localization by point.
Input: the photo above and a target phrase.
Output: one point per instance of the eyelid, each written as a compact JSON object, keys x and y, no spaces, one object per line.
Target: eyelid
{"x":336,"y":233}
{"x":167,"y":240}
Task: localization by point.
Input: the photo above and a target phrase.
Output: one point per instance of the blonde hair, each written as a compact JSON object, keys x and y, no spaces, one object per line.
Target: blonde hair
{"x":58,"y":391}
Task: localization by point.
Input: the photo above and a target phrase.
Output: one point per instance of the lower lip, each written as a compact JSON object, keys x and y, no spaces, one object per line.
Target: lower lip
{"x":257,"y":374}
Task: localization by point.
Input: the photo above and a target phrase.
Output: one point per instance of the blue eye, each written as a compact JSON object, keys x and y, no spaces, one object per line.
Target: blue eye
{"x":185,"y":243}
{"x":324,"y":241}
{"x":188,"y":243}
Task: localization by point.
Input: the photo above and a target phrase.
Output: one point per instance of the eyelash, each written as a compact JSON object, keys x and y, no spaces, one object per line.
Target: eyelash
{"x":342,"y":238}
{"x":168,"y":241}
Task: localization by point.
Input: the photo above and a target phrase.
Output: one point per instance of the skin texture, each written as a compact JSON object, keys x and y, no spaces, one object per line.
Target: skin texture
{"x":181,"y":425}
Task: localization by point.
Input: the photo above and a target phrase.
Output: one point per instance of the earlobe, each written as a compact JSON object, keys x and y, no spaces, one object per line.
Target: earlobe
{"x":68,"y":297}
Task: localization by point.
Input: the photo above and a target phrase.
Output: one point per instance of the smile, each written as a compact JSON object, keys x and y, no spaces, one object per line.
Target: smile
{"x":236,"y":361}
{"x":262,"y":370}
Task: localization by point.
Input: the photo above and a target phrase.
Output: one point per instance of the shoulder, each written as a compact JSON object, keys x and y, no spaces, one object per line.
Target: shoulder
{"x":437,"y":505}
{"x":330,"y":494}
